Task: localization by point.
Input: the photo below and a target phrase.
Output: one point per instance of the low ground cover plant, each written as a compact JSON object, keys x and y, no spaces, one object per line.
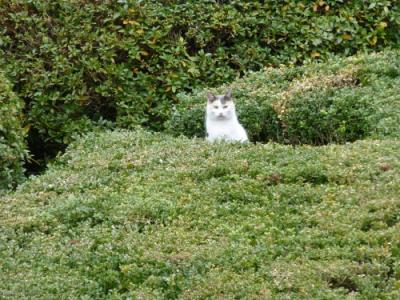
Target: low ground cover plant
{"x":149,"y":216}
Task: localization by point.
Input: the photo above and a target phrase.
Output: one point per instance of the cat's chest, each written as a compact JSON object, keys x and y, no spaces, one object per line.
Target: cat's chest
{"x":221,"y":128}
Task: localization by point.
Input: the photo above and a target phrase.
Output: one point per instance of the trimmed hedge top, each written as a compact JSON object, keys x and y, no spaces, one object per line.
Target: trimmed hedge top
{"x":146,"y":216}
{"x":12,"y":137}
{"x":337,"y":101}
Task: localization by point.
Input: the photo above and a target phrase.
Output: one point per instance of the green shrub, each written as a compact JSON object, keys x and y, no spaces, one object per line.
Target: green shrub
{"x":80,"y":63}
{"x":12,"y":137}
{"x":145,"y":216}
{"x":337,"y":101}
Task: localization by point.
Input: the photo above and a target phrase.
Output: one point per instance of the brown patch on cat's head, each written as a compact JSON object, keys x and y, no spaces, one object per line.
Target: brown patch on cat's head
{"x":211,"y":97}
{"x":227,"y":97}
{"x":223,"y":98}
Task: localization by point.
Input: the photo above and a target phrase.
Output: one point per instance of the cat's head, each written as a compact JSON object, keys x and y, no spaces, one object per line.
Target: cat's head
{"x":220,"y":107}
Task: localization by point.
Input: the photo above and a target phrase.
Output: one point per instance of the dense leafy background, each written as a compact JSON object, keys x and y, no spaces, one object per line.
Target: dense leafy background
{"x":337,"y":101}
{"x":82,"y":64}
{"x":150,"y":216}
{"x":147,"y":216}
{"x":13,"y":150}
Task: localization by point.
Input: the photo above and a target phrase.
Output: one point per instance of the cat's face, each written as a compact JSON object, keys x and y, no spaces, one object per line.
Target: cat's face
{"x":220,"y":107}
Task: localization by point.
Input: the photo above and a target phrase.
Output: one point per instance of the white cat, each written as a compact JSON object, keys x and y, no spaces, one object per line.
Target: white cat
{"x":221,"y":120}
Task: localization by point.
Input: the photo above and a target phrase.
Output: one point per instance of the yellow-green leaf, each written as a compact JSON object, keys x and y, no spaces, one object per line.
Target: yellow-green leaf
{"x":315,"y":54}
{"x":373,"y":40}
{"x":346,"y":36}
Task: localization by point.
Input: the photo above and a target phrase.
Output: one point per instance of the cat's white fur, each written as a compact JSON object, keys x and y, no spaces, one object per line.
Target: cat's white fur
{"x":221,"y":120}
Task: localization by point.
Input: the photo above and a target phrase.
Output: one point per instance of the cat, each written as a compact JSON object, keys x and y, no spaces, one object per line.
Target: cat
{"x":221,"y":120}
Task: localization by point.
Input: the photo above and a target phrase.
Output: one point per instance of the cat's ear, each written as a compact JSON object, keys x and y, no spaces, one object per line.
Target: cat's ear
{"x":228,"y":95}
{"x":211,"y":97}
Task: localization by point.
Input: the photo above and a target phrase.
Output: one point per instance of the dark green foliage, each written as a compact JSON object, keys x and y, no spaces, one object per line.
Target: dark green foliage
{"x":146,"y":216}
{"x":327,"y":116}
{"x":337,"y":101}
{"x":12,"y":137}
{"x":79,"y":64}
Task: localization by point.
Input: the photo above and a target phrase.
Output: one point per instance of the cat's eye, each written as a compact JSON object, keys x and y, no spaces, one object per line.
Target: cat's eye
{"x":216,"y":107}
{"x":225,"y":106}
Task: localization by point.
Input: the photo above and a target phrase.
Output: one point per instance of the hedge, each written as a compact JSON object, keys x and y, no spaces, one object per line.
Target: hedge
{"x":318,"y":103}
{"x":13,"y":150}
{"x":79,"y":64}
{"x":133,"y":215}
